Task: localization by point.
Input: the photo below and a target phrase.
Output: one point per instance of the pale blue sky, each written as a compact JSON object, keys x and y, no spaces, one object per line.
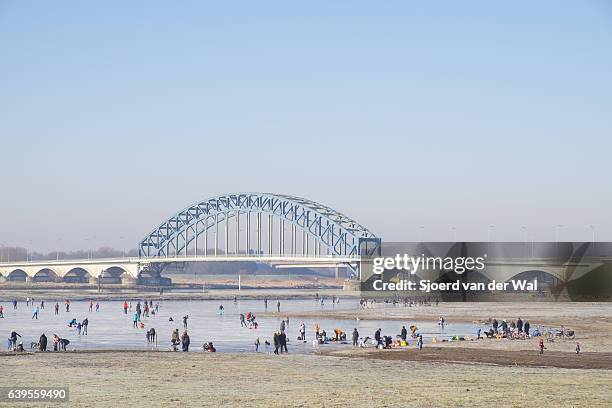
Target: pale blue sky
{"x":116,"y":114}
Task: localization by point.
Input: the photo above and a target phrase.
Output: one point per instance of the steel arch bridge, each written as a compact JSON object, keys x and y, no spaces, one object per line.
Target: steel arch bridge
{"x":259,"y":224}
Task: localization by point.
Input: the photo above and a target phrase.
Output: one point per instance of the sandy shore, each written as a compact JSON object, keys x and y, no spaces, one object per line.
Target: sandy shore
{"x":156,"y":379}
{"x":591,"y":321}
{"x":510,"y":358}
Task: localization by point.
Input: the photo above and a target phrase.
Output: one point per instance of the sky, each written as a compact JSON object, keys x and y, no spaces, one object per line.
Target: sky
{"x":435,"y":121}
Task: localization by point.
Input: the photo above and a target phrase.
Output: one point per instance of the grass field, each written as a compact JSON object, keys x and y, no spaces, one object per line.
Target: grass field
{"x":156,"y":379}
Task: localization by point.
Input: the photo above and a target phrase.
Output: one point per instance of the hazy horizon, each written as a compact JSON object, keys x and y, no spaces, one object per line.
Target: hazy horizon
{"x":421,"y":121}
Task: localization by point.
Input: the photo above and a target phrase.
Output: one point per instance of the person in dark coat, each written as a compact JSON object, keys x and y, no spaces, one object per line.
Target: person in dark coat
{"x":185,"y":341}
{"x":355,"y":337}
{"x":504,"y":326}
{"x":276,"y":342}
{"x":404,"y":333}
{"x":377,"y":337}
{"x":42,"y":342}
{"x":283,"y":342}
{"x":519,"y":325}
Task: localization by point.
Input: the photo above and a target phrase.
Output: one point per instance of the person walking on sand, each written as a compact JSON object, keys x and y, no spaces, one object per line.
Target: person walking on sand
{"x":185,"y":321}
{"x":278,"y":306}
{"x":36,"y":311}
{"x":175,"y":339}
{"x":276,"y":342}
{"x":541,"y":345}
{"x":136,"y":318}
{"x":283,"y":342}
{"x":420,"y":342}
{"x":185,"y":341}
{"x":303,"y":331}
{"x":56,"y":308}
{"x":257,"y":343}
{"x":13,"y":340}
{"x":355,"y":337}
{"x":84,"y":325}
{"x":1,"y":312}
{"x":577,"y":348}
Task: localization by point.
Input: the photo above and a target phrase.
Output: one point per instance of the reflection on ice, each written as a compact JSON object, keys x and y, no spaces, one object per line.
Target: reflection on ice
{"x":110,"y":328}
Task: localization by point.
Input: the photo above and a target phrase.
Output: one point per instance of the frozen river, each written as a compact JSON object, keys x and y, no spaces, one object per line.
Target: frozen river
{"x":110,"y":328}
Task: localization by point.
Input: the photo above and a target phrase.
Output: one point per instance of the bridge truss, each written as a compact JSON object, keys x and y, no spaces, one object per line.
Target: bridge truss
{"x":259,"y":224}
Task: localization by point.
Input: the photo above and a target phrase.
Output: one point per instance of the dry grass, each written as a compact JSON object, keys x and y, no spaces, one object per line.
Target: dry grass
{"x":198,"y":379}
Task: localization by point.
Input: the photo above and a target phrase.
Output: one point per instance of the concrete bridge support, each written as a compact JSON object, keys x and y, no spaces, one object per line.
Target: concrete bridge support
{"x":128,"y":281}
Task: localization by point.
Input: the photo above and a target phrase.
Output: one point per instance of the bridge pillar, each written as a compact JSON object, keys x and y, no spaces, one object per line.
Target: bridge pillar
{"x":29,"y":278}
{"x":128,"y":281}
{"x":94,"y":280}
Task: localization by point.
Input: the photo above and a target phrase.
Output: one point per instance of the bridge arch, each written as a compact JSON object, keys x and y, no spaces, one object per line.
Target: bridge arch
{"x":323,"y":229}
{"x":17,"y":275}
{"x":116,"y":272}
{"x":546,"y":279}
{"x":45,"y":275}
{"x":77,"y":275}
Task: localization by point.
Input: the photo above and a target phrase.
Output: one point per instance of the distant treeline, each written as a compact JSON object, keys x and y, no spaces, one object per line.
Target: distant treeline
{"x":16,"y":254}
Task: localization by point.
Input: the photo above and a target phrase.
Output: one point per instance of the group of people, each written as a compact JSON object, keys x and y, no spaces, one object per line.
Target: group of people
{"x":141,"y":309}
{"x":407,"y":302}
{"x":280,"y":342}
{"x":91,"y":306}
{"x":183,"y":340}
{"x":81,"y":327}
{"x":516,"y":329}
{"x":59,"y":344}
{"x":248,"y":320}
{"x":401,"y":340}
